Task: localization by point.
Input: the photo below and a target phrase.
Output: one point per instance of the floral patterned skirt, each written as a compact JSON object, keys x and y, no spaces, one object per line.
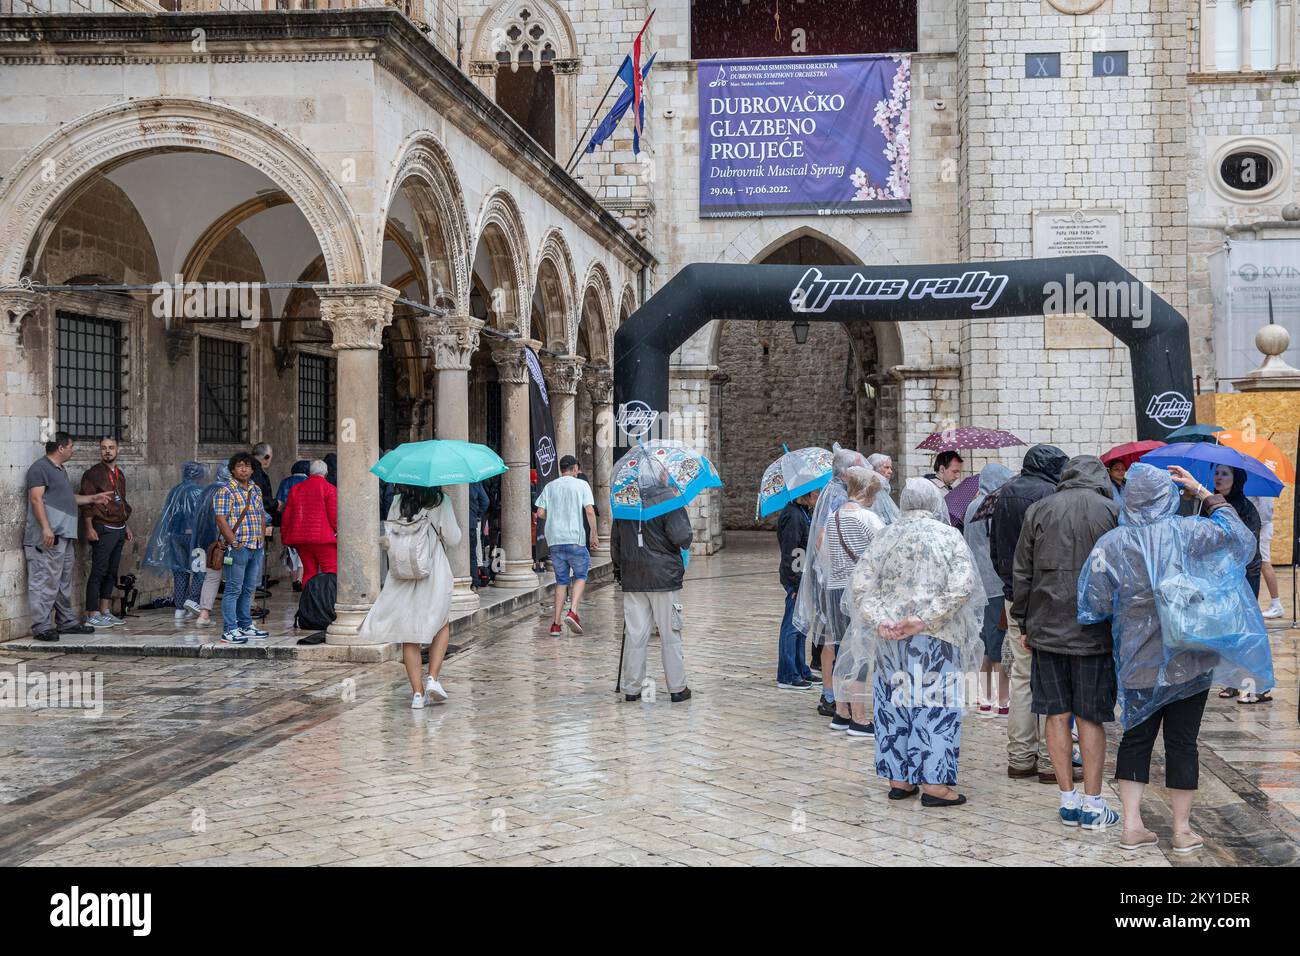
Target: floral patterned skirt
{"x":918,"y":711}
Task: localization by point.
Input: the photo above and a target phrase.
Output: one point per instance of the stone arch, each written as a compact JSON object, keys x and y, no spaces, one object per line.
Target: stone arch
{"x":557,"y":282}
{"x":439,"y":201}
{"x":44,"y":176}
{"x":626,"y":303}
{"x":596,"y":285}
{"x":501,"y":228}
{"x":492,"y":35}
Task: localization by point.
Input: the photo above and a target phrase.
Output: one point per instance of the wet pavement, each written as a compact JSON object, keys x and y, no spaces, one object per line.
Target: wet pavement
{"x":535,"y":760}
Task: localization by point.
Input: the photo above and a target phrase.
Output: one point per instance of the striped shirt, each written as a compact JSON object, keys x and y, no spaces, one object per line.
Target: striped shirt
{"x":229,"y":503}
{"x":856,"y":527}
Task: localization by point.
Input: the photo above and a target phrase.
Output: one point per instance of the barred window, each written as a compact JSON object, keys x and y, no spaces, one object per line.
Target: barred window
{"x":223,"y":391}
{"x":90,"y":393}
{"x":315,"y":400}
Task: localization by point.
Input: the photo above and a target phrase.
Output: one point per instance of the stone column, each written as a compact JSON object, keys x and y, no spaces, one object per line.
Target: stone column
{"x":1243,"y":37}
{"x":562,"y":376}
{"x":516,"y":508}
{"x":356,"y":316}
{"x":453,"y":341}
{"x":600,"y":384}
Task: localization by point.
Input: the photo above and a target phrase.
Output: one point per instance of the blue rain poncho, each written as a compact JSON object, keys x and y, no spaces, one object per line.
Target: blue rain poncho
{"x":1199,"y":625}
{"x":169,"y":542}
{"x":205,"y":525}
{"x":812,"y":614}
{"x":992,"y":477}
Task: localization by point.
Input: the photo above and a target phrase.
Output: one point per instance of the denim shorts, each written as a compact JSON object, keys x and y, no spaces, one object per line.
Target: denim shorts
{"x":570,"y":561}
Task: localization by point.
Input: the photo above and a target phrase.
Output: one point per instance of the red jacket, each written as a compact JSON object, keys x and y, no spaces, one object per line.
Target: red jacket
{"x":311,"y":513}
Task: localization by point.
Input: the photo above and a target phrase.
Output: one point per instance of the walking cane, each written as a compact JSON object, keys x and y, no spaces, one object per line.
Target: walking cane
{"x":618,"y":676}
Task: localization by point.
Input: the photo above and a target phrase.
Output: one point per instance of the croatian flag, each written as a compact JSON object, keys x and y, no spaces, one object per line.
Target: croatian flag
{"x":636,"y":79}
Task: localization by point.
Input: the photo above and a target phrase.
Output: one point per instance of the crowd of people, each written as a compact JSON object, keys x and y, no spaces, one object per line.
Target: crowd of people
{"x":1057,"y":600}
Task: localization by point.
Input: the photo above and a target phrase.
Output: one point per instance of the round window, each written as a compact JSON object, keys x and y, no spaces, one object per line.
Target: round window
{"x":1246,"y":170}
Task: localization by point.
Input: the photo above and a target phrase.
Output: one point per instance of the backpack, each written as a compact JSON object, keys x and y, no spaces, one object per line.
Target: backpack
{"x":410,"y":556}
{"x":316,"y":605}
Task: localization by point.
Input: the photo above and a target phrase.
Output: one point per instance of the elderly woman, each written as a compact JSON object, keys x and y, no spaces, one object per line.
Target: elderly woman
{"x":1182,"y":617}
{"x":884,"y":506}
{"x":916,"y":599}
{"x":848,"y":534}
{"x":976,"y":531}
{"x":812,"y":614}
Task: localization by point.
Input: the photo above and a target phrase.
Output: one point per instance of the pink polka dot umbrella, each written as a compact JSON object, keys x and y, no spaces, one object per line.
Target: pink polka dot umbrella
{"x":968,"y":436}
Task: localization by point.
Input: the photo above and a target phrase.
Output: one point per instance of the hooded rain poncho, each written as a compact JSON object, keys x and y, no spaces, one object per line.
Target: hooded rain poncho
{"x":205,"y":524}
{"x":918,"y":566}
{"x":168,"y":549}
{"x":1199,"y":625}
{"x":976,"y":531}
{"x":812,"y":616}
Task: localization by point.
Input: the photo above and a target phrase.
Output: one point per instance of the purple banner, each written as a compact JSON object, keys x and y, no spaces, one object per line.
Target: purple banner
{"x":805,"y":136}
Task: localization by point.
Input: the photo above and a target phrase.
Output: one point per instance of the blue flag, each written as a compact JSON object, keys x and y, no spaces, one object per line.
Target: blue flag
{"x":621,"y":106}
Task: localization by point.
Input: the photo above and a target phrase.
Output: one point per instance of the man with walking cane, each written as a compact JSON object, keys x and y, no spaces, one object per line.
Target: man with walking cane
{"x":647,"y":558}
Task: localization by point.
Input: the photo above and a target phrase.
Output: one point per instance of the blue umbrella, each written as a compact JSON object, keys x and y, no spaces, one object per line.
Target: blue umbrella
{"x":1199,"y":458}
{"x":657,"y":477}
{"x":1193,"y":433}
{"x":791,"y":476}
{"x":444,"y":461}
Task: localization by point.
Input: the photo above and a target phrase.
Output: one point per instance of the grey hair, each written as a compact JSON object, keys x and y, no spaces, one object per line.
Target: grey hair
{"x":862,"y":484}
{"x":878,"y":459}
{"x":261,"y":449}
{"x":318,"y":467}
{"x":843,"y":460}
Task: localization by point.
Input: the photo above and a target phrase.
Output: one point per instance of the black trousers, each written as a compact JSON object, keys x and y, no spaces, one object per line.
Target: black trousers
{"x":105,"y":555}
{"x":1182,"y":723}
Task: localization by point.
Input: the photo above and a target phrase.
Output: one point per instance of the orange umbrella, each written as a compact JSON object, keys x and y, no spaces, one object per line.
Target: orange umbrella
{"x":1262,"y":450}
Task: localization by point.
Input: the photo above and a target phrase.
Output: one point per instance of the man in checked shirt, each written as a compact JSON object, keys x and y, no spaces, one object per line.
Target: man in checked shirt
{"x":241,"y":520}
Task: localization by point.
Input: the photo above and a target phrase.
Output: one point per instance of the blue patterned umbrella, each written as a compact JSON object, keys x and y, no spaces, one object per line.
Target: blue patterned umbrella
{"x":657,"y":477}
{"x":791,"y":476}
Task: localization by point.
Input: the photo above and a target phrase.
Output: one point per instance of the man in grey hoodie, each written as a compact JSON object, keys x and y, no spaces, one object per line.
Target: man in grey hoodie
{"x":1072,"y":672}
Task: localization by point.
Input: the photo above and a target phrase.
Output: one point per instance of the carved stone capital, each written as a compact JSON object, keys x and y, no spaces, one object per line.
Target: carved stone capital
{"x":356,"y":314}
{"x":16,"y":307}
{"x":563,"y":373}
{"x":599,"y":383}
{"x":511,"y":362}
{"x":179,"y":343}
{"x":453,"y":341}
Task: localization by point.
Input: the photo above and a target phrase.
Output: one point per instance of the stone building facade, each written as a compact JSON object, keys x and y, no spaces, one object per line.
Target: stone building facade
{"x":405,"y":169}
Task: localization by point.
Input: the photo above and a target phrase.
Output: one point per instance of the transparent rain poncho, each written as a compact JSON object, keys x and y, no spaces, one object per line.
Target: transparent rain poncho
{"x":919,"y":566}
{"x":205,"y":523}
{"x":1199,"y":625}
{"x":992,"y":477}
{"x":168,"y":549}
{"x":884,"y":507}
{"x":812,"y":614}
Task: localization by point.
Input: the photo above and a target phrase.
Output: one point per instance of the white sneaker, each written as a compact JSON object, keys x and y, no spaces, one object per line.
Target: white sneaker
{"x":182,"y":615}
{"x":433,"y":690}
{"x":98,"y":620}
{"x":193,"y":608}
{"x":417,"y":702}
{"x":1274,"y":609}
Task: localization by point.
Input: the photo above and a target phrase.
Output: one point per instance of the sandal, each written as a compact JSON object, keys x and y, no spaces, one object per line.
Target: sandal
{"x":1229,"y":692}
{"x":1264,"y":698}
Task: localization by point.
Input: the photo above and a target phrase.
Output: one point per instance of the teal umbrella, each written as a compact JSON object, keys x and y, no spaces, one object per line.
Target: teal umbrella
{"x":1193,"y":433}
{"x":438,"y":462}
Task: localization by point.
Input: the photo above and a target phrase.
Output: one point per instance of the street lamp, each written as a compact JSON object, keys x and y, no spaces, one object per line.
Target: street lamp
{"x":800,"y":332}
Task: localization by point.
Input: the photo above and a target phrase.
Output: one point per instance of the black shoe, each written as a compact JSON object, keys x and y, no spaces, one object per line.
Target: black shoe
{"x":297,"y":587}
{"x":929,"y":801}
{"x":826,"y":707}
{"x":862,"y":730}
{"x":799,"y":684}
{"x":631,"y":698}
{"x":898,"y":793}
{"x":681,"y":695}
{"x":48,"y":635}
{"x":77,"y":629}
{"x":841,"y":723}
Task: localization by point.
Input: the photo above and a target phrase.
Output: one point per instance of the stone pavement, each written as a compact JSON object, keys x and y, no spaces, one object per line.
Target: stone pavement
{"x":534,"y":760}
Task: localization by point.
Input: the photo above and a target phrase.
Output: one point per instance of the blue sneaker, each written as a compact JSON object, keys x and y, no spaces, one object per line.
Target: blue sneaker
{"x":1070,"y":816}
{"x":1097,"y":818}
{"x":234,"y":637}
{"x":252,"y":632}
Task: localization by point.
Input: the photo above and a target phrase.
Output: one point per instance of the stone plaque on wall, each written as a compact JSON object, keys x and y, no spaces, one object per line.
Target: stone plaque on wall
{"x":1077,"y":232}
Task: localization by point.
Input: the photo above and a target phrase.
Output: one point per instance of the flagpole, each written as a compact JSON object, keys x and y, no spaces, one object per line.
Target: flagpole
{"x":583,"y":138}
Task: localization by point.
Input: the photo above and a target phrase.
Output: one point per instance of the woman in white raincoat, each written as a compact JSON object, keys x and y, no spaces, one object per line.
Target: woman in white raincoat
{"x":916,"y":599}
{"x":1182,"y":618}
{"x":812,"y":613}
{"x":415,"y":610}
{"x":884,"y":506}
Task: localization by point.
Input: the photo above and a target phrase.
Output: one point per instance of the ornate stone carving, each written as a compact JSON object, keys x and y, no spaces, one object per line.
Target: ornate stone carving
{"x":453,"y":341}
{"x":511,"y":363}
{"x":179,"y":342}
{"x":599,"y":383}
{"x":563,"y":373}
{"x":356,"y":314}
{"x":426,"y":160}
{"x":15,"y":307}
